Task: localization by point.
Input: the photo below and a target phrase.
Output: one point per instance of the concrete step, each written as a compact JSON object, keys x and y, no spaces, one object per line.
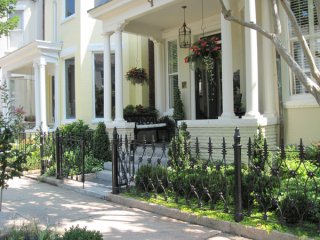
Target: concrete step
{"x":104,"y":175}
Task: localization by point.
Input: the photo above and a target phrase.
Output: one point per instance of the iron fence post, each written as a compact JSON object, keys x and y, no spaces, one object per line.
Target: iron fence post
{"x":42,"y":162}
{"x":115,"y":154}
{"x":238,"y":216}
{"x":58,"y":155}
{"x":82,"y":160}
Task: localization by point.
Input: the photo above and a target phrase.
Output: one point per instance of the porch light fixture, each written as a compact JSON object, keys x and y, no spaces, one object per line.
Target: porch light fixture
{"x":184,"y":32}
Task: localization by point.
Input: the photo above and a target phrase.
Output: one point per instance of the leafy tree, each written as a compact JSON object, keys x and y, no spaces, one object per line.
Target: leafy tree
{"x":311,"y":84}
{"x":11,"y":157}
{"x":7,"y":24}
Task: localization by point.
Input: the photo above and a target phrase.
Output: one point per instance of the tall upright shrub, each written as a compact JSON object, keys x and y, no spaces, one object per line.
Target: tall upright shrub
{"x":101,"y":143}
{"x":178,"y":112}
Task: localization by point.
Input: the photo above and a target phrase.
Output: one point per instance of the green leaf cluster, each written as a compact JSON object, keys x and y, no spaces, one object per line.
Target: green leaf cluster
{"x":7,"y":24}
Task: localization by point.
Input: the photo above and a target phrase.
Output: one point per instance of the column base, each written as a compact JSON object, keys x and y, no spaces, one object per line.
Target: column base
{"x":227,"y":115}
{"x":251,"y":115}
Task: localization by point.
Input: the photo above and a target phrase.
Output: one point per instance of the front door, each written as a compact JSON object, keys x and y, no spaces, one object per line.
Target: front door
{"x":208,"y":90}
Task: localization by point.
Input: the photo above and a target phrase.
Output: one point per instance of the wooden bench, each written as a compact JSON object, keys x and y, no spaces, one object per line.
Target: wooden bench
{"x":146,"y":122}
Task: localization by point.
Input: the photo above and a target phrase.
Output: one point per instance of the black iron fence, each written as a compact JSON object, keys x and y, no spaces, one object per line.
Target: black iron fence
{"x":277,"y":184}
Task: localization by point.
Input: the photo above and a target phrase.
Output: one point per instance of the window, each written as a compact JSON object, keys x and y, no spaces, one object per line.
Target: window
{"x":172,"y":70}
{"x":98,"y":83}
{"x":100,"y":2}
{"x":19,"y":14}
{"x":70,"y":89}
{"x":305,"y":13}
{"x":69,"y":8}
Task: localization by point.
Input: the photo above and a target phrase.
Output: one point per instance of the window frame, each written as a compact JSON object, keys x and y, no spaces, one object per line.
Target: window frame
{"x":312,"y":35}
{"x":170,"y":92}
{"x":95,"y":118}
{"x":65,"y":117}
{"x":64,"y":16}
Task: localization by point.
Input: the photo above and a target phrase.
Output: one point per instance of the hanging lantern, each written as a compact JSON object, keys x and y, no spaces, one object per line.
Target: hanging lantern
{"x":184,"y":32}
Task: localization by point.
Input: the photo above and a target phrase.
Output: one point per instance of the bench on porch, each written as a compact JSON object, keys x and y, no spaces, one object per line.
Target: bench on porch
{"x":147,"y":122}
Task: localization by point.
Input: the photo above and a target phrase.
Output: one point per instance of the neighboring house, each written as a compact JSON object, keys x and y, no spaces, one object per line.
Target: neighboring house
{"x":248,"y":60}
{"x":55,"y":66}
{"x":73,"y":66}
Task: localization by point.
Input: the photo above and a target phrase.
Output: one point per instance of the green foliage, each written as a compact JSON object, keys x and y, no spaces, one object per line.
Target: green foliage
{"x":51,"y":171}
{"x":101,"y":144}
{"x":139,"y":110}
{"x":313,"y":151}
{"x":6,"y":8}
{"x":178,"y":112}
{"x":11,"y":158}
{"x":92,"y":164}
{"x":294,"y":207}
{"x":148,"y":176}
{"x":77,"y":233}
{"x":31,"y":231}
{"x":179,"y":148}
{"x":77,"y":128}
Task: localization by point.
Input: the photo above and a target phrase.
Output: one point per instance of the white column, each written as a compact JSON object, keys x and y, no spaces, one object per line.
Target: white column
{"x":42,"y":94}
{"x":159,"y":76}
{"x":37,"y":93}
{"x":118,"y":76}
{"x":227,"y":68}
{"x":56,"y":96}
{"x":193,"y":92}
{"x":107,"y":84}
{"x":268,"y":52}
{"x":251,"y":53}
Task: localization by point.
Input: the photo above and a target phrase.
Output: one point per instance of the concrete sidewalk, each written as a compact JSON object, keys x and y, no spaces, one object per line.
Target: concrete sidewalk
{"x":27,"y":200}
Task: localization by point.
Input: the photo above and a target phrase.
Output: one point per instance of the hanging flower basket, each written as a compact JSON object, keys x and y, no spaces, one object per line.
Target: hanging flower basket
{"x":203,"y":50}
{"x":137,"y":75}
{"x":203,"y":53}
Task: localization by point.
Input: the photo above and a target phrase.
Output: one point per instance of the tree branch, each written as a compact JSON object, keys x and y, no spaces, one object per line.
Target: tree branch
{"x":312,"y":86}
{"x":275,"y":14}
{"x":313,"y":67}
{"x":228,"y":16}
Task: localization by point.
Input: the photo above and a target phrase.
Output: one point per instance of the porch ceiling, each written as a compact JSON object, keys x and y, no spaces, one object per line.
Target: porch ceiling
{"x":141,"y":18}
{"x":172,"y":16}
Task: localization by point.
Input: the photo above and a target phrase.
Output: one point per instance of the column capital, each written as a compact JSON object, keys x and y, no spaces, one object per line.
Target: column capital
{"x":39,"y":62}
{"x":156,"y":41}
{"x":120,"y":26}
{"x":107,"y":34}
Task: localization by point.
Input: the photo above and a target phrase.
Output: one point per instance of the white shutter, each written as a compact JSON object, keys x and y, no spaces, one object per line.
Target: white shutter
{"x":305,"y":13}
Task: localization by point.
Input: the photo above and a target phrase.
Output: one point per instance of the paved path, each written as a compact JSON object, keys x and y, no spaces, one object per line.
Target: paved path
{"x":27,"y":200}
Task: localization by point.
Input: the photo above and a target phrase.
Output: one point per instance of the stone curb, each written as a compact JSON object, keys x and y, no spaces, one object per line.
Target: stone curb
{"x":62,"y":184}
{"x":224,"y":226}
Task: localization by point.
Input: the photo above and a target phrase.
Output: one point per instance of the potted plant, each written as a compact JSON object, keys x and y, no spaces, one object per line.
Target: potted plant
{"x":137,"y":75}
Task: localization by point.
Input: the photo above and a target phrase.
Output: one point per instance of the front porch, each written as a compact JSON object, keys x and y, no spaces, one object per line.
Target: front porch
{"x":240,"y":57}
{"x":31,"y":75}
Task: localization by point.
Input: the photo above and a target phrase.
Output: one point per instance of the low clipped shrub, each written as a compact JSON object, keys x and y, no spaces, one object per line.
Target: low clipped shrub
{"x":294,"y":208}
{"x":51,"y":171}
{"x":77,"y":233}
{"x":92,"y":164}
{"x":77,"y":128}
{"x":148,"y":175}
{"x":31,"y":231}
